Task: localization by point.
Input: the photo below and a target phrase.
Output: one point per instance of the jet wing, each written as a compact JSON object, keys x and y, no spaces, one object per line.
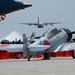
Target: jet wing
{"x":66,"y":47}
{"x":36,"y":48}
{"x":7,"y":0}
{"x":8,"y":6}
{"x":12,"y":47}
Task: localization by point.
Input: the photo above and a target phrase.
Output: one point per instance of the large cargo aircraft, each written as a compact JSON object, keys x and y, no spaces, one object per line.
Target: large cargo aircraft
{"x":53,"y":40}
{"x":40,"y":25}
{"x":8,"y":6}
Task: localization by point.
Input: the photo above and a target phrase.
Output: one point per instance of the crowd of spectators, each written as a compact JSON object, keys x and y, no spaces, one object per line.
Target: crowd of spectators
{"x":11,"y":42}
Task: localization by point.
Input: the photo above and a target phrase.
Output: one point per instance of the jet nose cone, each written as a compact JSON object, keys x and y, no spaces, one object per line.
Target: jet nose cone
{"x":26,"y":5}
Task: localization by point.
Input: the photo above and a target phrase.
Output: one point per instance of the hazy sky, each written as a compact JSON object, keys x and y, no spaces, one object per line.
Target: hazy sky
{"x":48,"y":11}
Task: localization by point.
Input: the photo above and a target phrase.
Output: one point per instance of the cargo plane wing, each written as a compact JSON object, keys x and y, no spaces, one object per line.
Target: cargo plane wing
{"x":40,"y":25}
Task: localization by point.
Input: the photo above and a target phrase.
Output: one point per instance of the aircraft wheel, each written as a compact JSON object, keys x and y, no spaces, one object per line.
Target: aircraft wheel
{"x":46,"y":56}
{"x":73,"y":54}
{"x":28,"y":59}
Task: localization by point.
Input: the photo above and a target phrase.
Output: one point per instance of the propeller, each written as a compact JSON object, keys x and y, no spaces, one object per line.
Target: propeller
{"x":72,"y":33}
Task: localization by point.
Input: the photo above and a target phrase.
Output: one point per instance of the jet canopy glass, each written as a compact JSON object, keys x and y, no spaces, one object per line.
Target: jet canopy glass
{"x":51,"y":32}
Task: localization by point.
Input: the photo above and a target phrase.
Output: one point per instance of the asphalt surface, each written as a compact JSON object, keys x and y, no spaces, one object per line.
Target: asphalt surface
{"x":54,"y":66}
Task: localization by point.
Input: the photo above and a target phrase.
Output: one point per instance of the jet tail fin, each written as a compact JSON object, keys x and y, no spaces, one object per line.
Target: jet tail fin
{"x":38,"y":20}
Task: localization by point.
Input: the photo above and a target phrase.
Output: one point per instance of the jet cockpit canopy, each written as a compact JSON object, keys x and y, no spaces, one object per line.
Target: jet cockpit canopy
{"x":51,"y":32}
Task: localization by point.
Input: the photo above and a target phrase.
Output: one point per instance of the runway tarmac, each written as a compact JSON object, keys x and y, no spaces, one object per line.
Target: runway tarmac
{"x":54,"y":66}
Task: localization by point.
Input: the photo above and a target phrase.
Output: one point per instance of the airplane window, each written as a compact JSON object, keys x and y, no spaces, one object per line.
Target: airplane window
{"x":51,"y":32}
